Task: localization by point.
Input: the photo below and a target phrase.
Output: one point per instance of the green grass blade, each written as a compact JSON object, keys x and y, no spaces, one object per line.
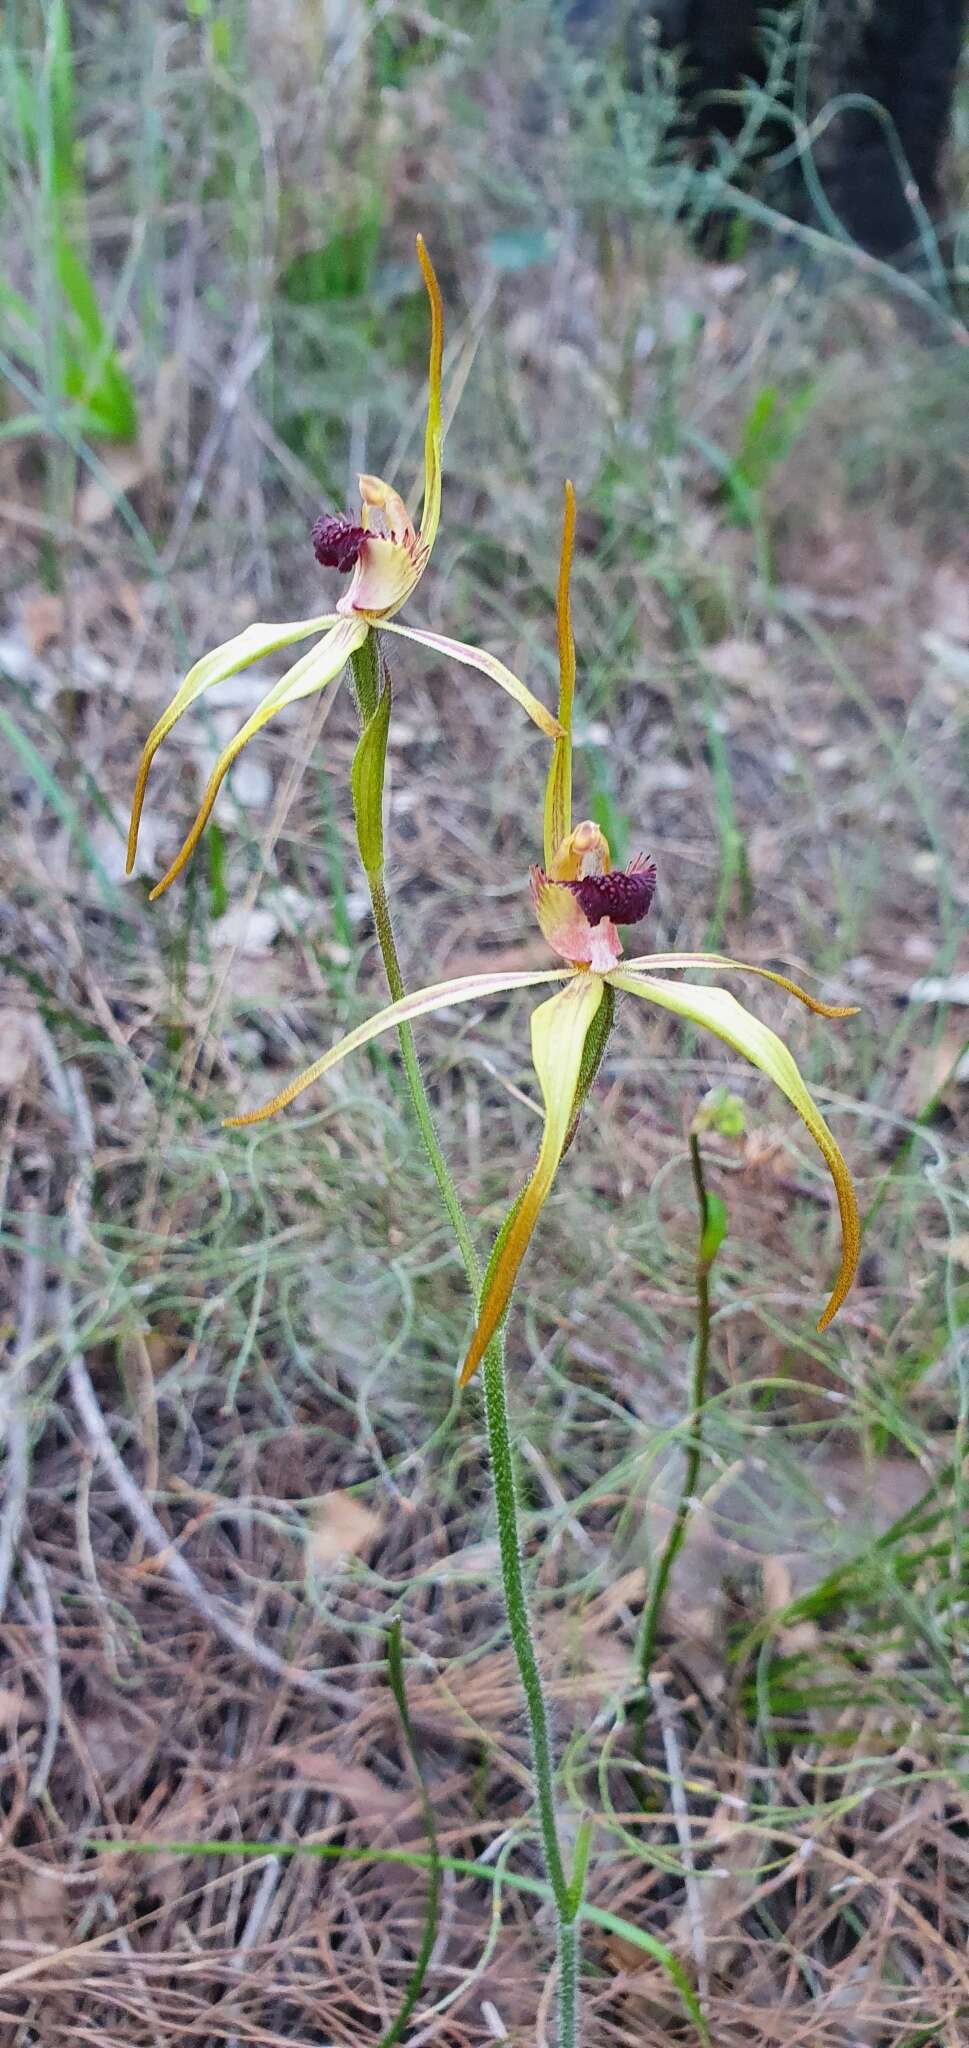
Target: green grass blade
{"x":415,"y":1983}
{"x":58,"y":799}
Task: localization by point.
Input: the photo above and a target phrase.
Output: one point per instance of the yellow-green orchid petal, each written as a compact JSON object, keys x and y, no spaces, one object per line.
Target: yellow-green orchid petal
{"x":387,"y":571}
{"x":475,"y":657}
{"x":313,"y":672}
{"x":716,"y":1010}
{"x":558,"y":788}
{"x":216,"y":667}
{"x":431,"y":512}
{"x":560,"y":1028}
{"x":441,"y":996}
{"x":665,"y":961}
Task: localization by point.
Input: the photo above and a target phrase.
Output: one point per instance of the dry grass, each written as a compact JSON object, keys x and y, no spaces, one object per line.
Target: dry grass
{"x":232,"y":1453}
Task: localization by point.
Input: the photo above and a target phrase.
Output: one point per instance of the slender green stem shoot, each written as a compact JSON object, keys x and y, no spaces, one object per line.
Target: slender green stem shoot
{"x":691,"y":1469}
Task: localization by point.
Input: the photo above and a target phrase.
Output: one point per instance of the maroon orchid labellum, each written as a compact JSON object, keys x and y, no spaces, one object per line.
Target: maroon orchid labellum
{"x":337,"y":542}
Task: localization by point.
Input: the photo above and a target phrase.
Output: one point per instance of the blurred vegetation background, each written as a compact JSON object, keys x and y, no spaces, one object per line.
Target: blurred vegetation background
{"x":232,"y":1449}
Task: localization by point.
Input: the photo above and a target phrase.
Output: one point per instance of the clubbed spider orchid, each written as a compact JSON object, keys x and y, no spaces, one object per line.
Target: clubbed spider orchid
{"x":580,"y":900}
{"x":385,"y":555}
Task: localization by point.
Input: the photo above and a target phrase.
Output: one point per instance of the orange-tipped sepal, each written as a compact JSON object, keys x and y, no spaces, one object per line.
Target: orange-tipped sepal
{"x":431,"y":512}
{"x":558,"y":787}
{"x":560,"y":1028}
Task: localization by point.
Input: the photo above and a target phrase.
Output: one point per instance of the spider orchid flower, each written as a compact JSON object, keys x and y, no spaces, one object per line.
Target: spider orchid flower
{"x":385,"y":555}
{"x":580,"y":900}
{"x":578,"y":912}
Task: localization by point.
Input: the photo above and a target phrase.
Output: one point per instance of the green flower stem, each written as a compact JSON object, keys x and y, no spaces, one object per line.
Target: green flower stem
{"x":365,"y":670}
{"x":568,"y":1960}
{"x":365,"y":666}
{"x":503,"y":1477}
{"x":691,"y":1473}
{"x":415,"y":1082}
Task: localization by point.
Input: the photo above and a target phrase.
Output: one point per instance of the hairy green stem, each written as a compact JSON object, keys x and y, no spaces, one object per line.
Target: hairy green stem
{"x":366,"y":670}
{"x":691,"y":1470}
{"x":503,"y":1476}
{"x":568,"y":1961}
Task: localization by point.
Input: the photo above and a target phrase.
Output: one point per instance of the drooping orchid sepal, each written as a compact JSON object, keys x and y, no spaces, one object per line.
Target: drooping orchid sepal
{"x":421,"y":1003}
{"x":560,"y":1029}
{"x":314,"y":672}
{"x":716,"y":1010}
{"x":216,"y":667}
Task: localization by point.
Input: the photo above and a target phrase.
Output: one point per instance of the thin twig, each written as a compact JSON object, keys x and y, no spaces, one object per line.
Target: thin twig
{"x":13,"y":1416}
{"x":257,"y":1923}
{"x":47,"y":1636}
{"x":69,"y":1091}
{"x":171,"y":1561}
{"x":681,"y":1817}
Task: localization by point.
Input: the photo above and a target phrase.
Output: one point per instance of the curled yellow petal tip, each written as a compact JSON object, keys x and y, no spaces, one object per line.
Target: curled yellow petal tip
{"x":159,"y":732}
{"x":833,"y":1010}
{"x":137,"y":806}
{"x":203,"y":815}
{"x":850,"y":1229}
{"x":251,"y":1116}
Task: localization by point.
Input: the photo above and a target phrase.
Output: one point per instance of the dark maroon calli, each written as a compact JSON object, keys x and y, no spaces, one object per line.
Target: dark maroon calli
{"x":337,"y":542}
{"x":624,"y":895}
